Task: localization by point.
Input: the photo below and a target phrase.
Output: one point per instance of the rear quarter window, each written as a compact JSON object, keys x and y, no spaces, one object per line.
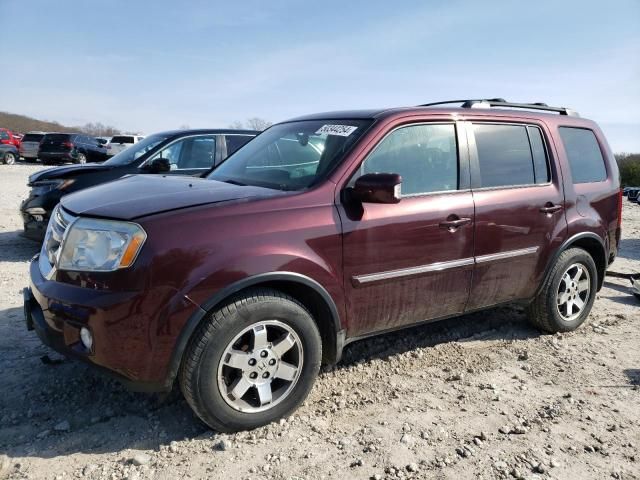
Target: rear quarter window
{"x":584,"y":155}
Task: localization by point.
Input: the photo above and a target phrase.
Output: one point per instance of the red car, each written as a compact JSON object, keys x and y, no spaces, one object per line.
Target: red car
{"x":321,"y":231}
{"x":7,"y":137}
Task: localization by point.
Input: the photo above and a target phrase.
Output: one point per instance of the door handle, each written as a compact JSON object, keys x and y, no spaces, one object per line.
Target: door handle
{"x":550,"y":208}
{"x":455,"y":223}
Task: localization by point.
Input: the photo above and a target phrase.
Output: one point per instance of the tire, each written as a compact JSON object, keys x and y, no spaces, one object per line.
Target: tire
{"x":208,"y":380}
{"x":557,"y":308}
{"x":82,"y":158}
{"x":9,"y":158}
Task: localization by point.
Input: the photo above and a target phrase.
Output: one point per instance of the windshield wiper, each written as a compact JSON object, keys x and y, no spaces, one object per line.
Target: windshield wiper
{"x":234,"y":182}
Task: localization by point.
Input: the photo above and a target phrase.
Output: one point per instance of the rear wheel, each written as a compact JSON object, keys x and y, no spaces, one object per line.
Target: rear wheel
{"x":82,"y":158}
{"x":566,"y":298}
{"x":252,"y":361}
{"x":9,"y":158}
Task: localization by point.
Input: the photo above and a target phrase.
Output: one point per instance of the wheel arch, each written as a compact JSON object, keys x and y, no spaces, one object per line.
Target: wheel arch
{"x":592,"y":244}
{"x":304,"y":289}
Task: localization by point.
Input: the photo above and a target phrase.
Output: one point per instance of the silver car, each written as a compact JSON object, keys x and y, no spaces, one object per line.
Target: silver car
{"x":30,"y":144}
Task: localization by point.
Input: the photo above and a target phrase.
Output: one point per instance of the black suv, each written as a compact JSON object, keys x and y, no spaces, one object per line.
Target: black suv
{"x":71,"y":147}
{"x":179,"y":152}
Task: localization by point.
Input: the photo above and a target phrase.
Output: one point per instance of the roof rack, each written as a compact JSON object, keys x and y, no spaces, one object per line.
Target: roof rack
{"x":501,"y":102}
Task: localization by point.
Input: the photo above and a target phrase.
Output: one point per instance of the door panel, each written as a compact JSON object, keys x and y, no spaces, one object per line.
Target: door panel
{"x":517,"y":228}
{"x":426,"y":269}
{"x":402,"y":263}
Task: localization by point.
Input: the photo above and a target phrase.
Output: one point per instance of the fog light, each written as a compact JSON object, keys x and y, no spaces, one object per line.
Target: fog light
{"x":36,"y":211}
{"x":86,"y":338}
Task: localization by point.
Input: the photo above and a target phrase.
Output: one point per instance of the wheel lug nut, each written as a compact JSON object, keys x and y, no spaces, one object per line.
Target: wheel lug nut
{"x":265,"y":375}
{"x":252,"y":361}
{"x":272,"y":362}
{"x":253,"y":375}
{"x":263,"y":353}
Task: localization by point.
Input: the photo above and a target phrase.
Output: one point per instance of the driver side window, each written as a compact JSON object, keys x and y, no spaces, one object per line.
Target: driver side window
{"x":426,"y":156}
{"x":190,"y":153}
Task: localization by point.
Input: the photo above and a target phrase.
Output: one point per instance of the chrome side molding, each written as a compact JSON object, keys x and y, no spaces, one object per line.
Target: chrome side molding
{"x":359,"y":280}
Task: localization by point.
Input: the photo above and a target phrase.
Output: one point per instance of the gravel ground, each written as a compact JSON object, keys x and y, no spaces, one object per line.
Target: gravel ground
{"x":481,"y":396}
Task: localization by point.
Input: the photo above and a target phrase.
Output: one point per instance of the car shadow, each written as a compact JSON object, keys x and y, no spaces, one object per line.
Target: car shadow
{"x":14,"y":247}
{"x":502,"y":323}
{"x":52,"y":406}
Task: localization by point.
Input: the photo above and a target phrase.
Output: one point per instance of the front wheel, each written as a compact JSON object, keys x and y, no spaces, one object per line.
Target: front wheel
{"x":566,"y":298}
{"x":253,"y":361}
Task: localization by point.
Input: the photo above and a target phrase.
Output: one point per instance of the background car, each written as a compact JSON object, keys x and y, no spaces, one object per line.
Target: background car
{"x":70,"y":147}
{"x":7,"y":137}
{"x":632,"y":194}
{"x":180,"y":152}
{"x":8,"y":154}
{"x":30,"y":144}
{"x":119,"y":143}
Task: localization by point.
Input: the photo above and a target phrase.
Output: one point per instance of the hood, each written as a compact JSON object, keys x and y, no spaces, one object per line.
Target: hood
{"x":67,"y":171}
{"x":141,"y":195}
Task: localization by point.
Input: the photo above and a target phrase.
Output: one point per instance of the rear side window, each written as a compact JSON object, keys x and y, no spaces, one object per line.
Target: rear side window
{"x":583,"y":152}
{"x":510,"y":155}
{"x":425,"y":156}
{"x":4,"y":135}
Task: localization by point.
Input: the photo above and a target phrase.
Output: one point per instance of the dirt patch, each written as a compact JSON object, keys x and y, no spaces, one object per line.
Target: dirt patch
{"x":479,"y":396}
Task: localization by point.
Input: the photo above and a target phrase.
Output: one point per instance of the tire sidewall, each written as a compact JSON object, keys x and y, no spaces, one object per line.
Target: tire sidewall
{"x":247,"y":314}
{"x":573,"y":256}
{"x":9,"y":159}
{"x":80,"y":157}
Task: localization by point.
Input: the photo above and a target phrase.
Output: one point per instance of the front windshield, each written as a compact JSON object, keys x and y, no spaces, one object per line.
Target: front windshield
{"x":135,"y":151}
{"x":291,"y":156}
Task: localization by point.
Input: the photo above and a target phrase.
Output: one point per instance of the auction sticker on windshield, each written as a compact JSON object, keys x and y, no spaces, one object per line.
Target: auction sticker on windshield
{"x":340,"y":130}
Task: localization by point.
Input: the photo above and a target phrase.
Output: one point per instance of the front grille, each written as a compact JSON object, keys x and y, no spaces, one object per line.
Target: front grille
{"x":58,"y":224}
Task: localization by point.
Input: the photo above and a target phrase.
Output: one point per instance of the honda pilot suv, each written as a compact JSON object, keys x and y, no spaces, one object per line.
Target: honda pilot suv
{"x":321,"y":231}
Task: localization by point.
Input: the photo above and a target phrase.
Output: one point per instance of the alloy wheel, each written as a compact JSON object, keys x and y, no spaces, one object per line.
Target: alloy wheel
{"x":573,"y":292}
{"x":9,"y":159}
{"x":260,"y":366}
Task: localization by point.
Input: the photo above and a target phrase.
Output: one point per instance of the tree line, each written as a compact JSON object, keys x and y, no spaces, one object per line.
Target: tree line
{"x":629,"y":165}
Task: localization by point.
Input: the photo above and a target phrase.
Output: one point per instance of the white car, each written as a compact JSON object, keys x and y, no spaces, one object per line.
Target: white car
{"x":120,"y":143}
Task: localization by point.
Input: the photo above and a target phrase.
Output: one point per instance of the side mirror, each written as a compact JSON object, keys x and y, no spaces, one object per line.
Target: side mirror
{"x":378,"y":188}
{"x":158,"y":165}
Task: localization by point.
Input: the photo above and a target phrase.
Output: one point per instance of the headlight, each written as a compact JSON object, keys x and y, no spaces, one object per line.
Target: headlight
{"x":94,"y":245}
{"x":43,"y":186}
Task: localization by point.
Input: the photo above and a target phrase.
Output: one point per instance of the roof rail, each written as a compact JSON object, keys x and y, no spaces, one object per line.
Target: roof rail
{"x":501,"y":102}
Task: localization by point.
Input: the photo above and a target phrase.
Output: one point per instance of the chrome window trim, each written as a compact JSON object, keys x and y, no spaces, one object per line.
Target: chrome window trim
{"x":441,"y":266}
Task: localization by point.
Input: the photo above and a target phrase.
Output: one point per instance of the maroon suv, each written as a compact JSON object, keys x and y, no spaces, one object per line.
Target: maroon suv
{"x":321,"y":231}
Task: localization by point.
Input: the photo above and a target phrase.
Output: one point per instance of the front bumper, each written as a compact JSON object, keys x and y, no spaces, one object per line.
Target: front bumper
{"x":122,"y":348}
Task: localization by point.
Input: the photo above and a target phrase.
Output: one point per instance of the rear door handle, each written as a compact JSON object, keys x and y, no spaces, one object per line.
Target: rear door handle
{"x":550,"y":208}
{"x":455,"y":223}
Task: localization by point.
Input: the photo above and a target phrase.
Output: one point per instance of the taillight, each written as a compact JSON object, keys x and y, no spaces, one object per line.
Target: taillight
{"x":620,"y":208}
{"x":67,"y":144}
